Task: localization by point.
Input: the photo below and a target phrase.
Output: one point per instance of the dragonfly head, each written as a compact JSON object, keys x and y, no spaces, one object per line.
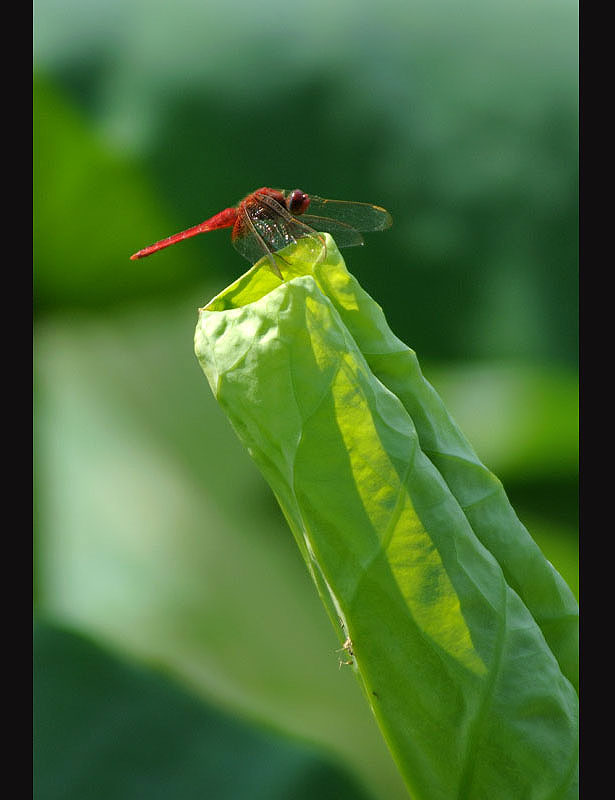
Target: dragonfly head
{"x":297,"y":202}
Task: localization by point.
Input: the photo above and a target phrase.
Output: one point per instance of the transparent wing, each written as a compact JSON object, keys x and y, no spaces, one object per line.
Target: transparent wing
{"x":344,"y":235}
{"x":361,"y":216}
{"x":247,"y":241}
{"x":264,"y":226}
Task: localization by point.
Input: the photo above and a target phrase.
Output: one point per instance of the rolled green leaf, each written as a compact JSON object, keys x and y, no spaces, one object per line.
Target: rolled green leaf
{"x":477,"y":490}
{"x":447,"y":635}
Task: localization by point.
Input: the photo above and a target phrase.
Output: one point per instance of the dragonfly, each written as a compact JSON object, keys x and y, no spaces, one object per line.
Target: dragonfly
{"x":268,"y":220}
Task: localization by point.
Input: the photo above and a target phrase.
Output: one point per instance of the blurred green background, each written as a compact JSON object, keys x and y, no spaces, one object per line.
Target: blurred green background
{"x":154,"y":534}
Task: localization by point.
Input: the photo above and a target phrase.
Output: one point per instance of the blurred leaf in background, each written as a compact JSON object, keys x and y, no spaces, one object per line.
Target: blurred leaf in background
{"x":109,"y":729}
{"x":154,"y":532}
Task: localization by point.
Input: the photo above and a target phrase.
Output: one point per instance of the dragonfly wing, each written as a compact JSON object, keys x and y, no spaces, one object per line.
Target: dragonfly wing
{"x":272,"y":221}
{"x":264,"y":227}
{"x":361,"y":216}
{"x":344,"y":235}
{"x":282,"y":228}
{"x":250,"y":244}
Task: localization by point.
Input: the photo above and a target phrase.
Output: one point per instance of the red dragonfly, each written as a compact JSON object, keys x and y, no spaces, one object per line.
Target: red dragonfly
{"x":268,"y":220}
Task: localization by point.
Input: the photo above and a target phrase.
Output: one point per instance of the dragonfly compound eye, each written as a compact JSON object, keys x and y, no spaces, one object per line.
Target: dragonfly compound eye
{"x":297,"y":202}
